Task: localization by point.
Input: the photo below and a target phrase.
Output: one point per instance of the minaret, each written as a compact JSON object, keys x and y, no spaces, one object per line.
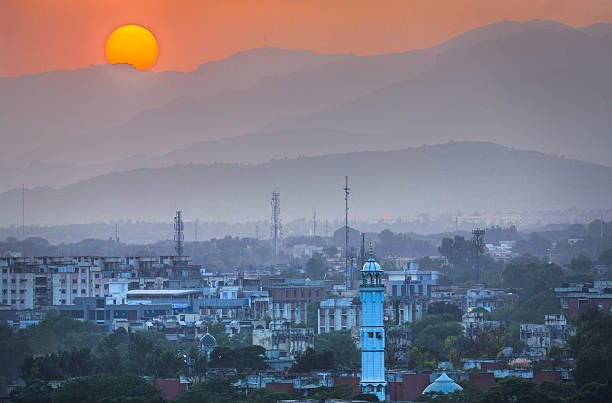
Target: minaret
{"x":372,"y":294}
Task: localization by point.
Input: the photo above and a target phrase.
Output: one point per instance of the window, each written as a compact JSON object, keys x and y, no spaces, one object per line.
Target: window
{"x":378,"y":335}
{"x":371,"y":335}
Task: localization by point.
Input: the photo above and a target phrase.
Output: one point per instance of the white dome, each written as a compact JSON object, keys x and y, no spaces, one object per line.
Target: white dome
{"x":208,"y":342}
{"x":371,"y":265}
{"x":443,"y":384}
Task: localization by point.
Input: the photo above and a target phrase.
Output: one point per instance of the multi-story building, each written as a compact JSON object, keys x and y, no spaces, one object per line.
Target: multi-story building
{"x":541,"y":337}
{"x":290,"y":299}
{"x":337,"y":314}
{"x":282,"y":342}
{"x":576,"y":297}
{"x":474,"y":324}
{"x":408,"y":293}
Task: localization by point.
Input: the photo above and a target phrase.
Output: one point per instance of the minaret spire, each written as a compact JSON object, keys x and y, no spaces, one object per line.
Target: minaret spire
{"x":372,"y":295}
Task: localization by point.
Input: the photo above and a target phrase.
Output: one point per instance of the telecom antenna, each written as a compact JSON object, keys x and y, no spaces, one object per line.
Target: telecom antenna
{"x":314,"y":224}
{"x":179,"y":237}
{"x":116,"y":237}
{"x":23,"y":212}
{"x":347,"y":262}
{"x":362,"y":251}
{"x":478,"y":241}
{"x":276,"y":227}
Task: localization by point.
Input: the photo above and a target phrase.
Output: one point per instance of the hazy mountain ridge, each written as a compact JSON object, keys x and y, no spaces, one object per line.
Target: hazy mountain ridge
{"x":429,"y":179}
{"x":295,"y":103}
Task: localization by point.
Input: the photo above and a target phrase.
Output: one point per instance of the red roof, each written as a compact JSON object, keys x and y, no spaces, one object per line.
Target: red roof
{"x":482,"y":380}
{"x":286,"y":387}
{"x":547,"y":376}
{"x":410,"y":388}
{"x":170,"y":388}
{"x":491,"y":366}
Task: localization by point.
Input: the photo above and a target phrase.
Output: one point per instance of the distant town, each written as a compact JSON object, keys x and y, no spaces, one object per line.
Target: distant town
{"x":284,"y":317}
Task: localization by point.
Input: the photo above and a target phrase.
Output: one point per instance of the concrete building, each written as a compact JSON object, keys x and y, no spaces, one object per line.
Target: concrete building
{"x":541,"y":337}
{"x":372,"y":335}
{"x":337,"y":314}
{"x":575,"y":297}
{"x":408,"y":292}
{"x":282,"y":342}
{"x":474,"y":324}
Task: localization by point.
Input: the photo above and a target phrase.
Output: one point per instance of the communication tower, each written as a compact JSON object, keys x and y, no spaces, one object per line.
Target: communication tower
{"x":478,"y":241}
{"x":348,"y":272}
{"x":179,"y":237}
{"x":276,"y":227}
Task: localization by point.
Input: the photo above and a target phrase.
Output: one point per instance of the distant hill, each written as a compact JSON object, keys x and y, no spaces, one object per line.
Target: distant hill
{"x":535,"y":85}
{"x":431,"y":179}
{"x":62,"y":106}
{"x":548,"y":90}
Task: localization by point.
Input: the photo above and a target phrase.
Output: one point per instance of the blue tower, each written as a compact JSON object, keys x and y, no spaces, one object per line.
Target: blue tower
{"x":372,"y":294}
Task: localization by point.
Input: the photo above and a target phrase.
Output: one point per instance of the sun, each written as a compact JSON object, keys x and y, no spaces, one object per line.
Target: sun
{"x":132,"y":44}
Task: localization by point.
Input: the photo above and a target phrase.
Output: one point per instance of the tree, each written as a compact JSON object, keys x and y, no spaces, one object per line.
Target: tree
{"x":441,"y":308}
{"x":109,"y":359}
{"x":457,"y":251}
{"x":244,"y":358}
{"x":581,"y":263}
{"x":108,"y":388}
{"x":312,"y":359}
{"x":34,"y":392}
{"x":606,"y":258}
{"x":218,"y":390}
{"x":316,"y":267}
{"x":591,"y":348}
{"x":431,"y":332}
{"x":340,"y":343}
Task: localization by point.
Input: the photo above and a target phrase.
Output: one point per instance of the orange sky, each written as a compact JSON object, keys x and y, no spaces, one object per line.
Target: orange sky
{"x":42,"y":35}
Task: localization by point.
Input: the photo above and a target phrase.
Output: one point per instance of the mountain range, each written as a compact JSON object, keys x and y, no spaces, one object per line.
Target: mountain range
{"x":464,"y":176}
{"x":537,"y":85}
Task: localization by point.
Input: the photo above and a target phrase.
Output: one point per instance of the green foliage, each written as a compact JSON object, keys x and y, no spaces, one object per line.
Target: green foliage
{"x":458,"y":251}
{"x":219,"y":390}
{"x":441,"y":308}
{"x":592,"y":349}
{"x":606,"y":257}
{"x":340,"y":343}
{"x":50,"y":336}
{"x":431,"y":332}
{"x":144,"y":357}
{"x":107,"y":389}
{"x":244,"y":358}
{"x":581,"y":263}
{"x":316,"y":267}
{"x":312,"y":359}
{"x":312,"y":313}
{"x":512,"y":390}
{"x":400,"y":244}
{"x":34,"y":392}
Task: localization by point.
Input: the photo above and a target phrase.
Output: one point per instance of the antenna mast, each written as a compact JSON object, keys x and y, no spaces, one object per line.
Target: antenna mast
{"x":23,"y":212}
{"x":276,"y":223}
{"x":347,"y":268}
{"x":179,"y":237}
{"x":478,"y":241}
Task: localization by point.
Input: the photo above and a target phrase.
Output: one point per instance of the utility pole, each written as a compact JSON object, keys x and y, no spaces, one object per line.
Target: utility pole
{"x":347,"y":267}
{"x":23,"y":212}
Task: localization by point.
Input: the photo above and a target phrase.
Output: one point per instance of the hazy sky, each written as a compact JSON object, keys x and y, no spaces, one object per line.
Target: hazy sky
{"x":42,"y":35}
